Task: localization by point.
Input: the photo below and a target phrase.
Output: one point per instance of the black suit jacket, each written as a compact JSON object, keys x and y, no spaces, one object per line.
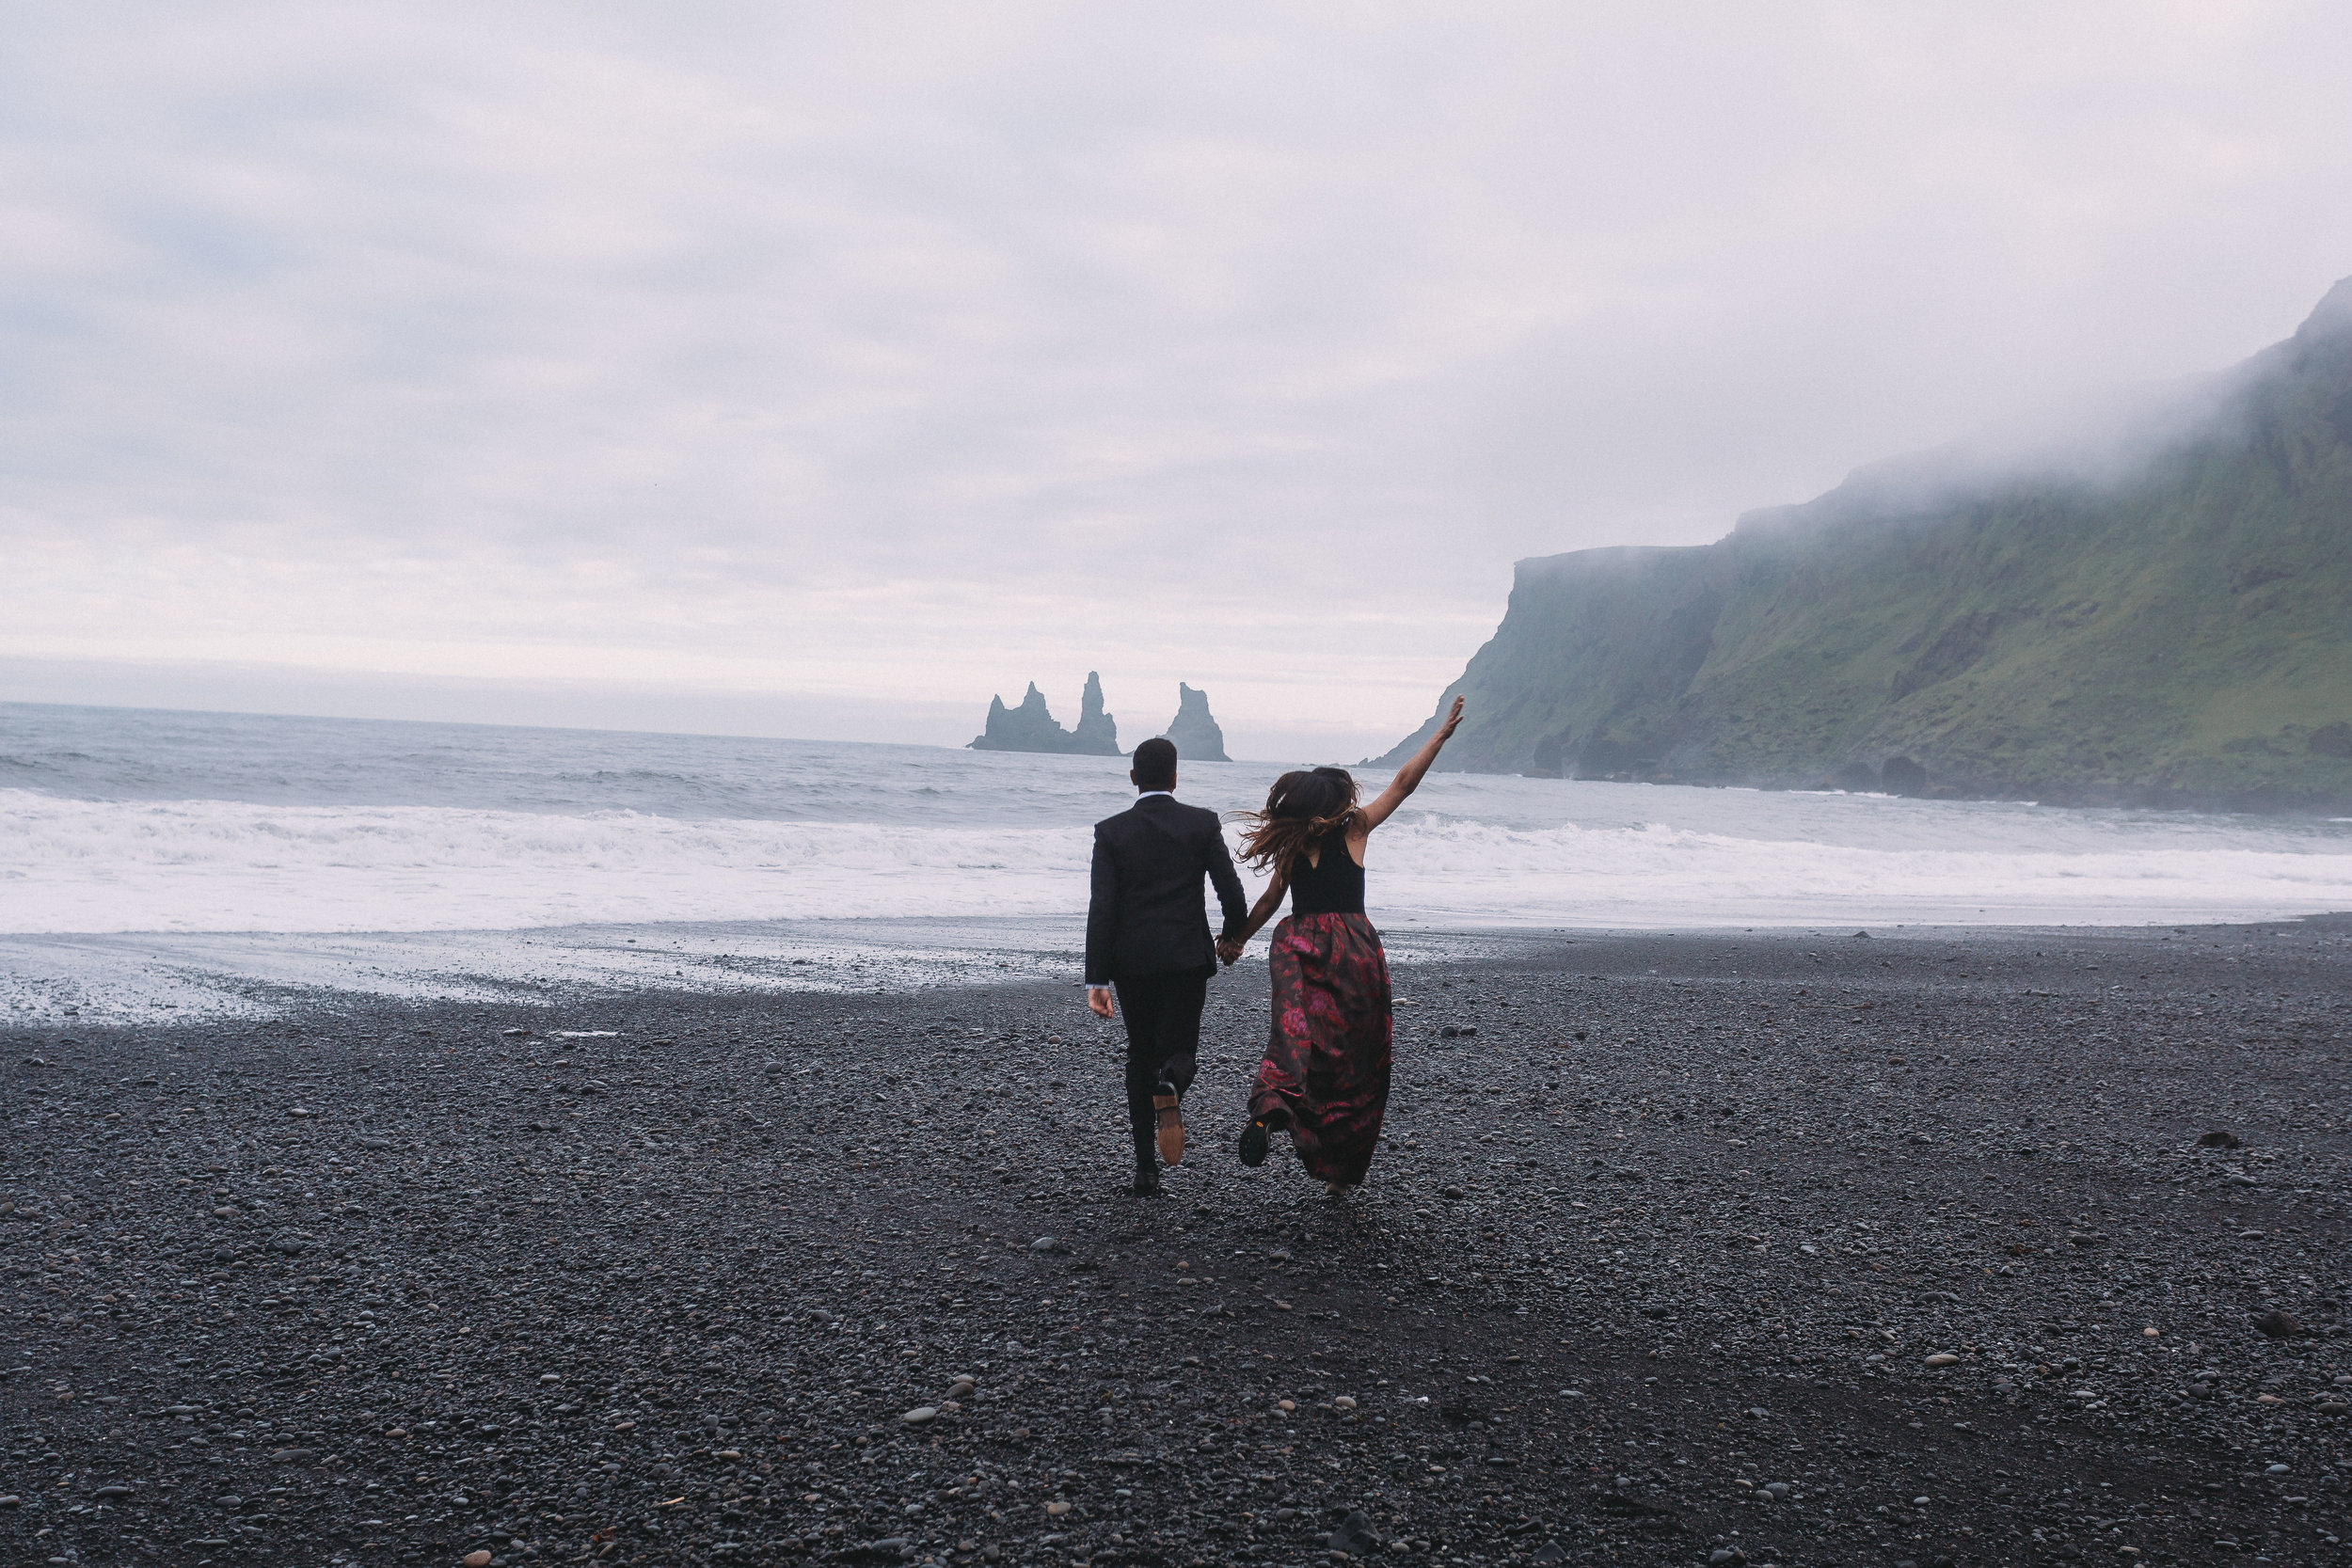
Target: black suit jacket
{"x":1146,"y":916}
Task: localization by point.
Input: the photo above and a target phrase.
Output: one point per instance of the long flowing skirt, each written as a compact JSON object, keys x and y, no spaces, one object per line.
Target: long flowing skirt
{"x":1325,"y":1071}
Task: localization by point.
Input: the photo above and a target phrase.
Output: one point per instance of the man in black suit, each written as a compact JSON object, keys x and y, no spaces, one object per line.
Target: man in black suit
{"x":1148,"y":941}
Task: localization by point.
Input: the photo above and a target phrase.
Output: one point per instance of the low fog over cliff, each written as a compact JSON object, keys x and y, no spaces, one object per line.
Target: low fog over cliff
{"x":2163,"y":616}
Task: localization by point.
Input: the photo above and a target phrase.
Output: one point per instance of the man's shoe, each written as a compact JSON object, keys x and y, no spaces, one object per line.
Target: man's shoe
{"x":1171,"y":1128}
{"x":1254,"y":1139}
{"x":1147,"y":1183}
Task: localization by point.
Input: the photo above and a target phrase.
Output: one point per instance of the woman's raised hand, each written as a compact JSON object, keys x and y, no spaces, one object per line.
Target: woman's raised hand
{"x":1453,"y":721}
{"x":1407,"y":778}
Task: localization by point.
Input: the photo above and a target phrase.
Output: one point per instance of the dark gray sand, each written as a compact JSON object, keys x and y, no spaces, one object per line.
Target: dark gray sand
{"x":1770,"y":1248}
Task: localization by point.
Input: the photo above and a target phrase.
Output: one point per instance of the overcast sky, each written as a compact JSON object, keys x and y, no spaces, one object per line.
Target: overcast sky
{"x":822,"y":370}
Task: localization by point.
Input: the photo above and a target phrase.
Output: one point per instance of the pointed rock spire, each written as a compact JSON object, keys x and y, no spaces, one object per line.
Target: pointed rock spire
{"x":1097,"y":735}
{"x":1030,"y":727}
{"x":1194,"y":732}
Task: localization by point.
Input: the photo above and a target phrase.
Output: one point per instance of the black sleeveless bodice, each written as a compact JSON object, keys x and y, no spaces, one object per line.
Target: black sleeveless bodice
{"x":1334,"y":886}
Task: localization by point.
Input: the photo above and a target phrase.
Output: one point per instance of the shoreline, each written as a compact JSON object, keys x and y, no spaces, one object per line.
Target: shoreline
{"x":2259,"y":805}
{"x":325,"y":1267}
{"x":124,"y":978}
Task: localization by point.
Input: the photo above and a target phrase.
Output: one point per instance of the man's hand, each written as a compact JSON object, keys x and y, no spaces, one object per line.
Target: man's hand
{"x":1229,"y":950}
{"x":1099,"y":1002}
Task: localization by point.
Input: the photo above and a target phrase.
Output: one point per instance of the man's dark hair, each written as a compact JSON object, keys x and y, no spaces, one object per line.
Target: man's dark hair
{"x":1155,"y":764}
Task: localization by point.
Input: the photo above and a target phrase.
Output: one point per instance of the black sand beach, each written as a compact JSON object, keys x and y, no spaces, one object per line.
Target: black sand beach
{"x":1766,"y":1248}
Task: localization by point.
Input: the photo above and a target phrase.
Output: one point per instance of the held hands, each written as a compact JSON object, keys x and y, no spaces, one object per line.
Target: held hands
{"x":1100,"y":1002}
{"x":1229,"y":951}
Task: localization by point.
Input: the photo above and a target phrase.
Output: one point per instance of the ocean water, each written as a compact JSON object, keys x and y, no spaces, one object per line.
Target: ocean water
{"x":171,"y":835}
{"x":116,"y":820}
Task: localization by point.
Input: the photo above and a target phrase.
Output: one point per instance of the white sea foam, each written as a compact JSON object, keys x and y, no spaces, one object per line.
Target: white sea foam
{"x":226,"y":865}
{"x":1653,"y":875}
{"x":155,"y":864}
{"x":81,"y":866}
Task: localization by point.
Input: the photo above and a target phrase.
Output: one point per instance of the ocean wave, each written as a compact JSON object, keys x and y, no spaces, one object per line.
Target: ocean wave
{"x":1654,"y":874}
{"x":80,"y":866}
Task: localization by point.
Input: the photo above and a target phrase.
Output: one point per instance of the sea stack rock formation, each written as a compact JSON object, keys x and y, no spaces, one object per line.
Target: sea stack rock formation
{"x":1196,"y":734}
{"x":1097,"y":735}
{"x":1030,"y":727}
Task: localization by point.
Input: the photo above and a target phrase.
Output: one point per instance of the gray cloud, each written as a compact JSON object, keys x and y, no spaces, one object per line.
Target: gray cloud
{"x":893,"y":356}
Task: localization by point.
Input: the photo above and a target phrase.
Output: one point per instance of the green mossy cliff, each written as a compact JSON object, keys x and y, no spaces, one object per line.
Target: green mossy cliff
{"x":2175,"y":631}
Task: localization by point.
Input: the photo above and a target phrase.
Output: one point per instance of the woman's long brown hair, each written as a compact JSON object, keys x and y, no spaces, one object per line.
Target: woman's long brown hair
{"x":1302,"y":807}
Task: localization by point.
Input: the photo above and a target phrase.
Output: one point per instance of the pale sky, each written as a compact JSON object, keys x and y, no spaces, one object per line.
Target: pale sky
{"x":822,"y":370}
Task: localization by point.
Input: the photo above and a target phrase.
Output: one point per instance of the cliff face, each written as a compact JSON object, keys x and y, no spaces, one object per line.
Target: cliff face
{"x":1031,"y":728}
{"x":2177,"y":631}
{"x":1197,"y":735}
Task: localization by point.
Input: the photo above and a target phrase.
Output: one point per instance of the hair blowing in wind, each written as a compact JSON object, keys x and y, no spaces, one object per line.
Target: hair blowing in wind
{"x":1304,"y":805}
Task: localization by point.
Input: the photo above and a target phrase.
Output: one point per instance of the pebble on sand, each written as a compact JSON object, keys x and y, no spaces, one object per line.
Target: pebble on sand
{"x":921,"y":1415}
{"x":477,"y":1559}
{"x":1943,"y":1358}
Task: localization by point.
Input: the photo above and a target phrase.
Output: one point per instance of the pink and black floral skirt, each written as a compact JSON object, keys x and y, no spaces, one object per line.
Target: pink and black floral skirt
{"x":1326,"y":1072}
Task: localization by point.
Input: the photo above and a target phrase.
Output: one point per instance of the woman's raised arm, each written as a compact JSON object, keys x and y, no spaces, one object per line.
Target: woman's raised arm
{"x":1410,"y":776}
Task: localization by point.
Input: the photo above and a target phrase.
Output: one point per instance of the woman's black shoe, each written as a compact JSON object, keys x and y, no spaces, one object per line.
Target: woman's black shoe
{"x":1254,"y":1139}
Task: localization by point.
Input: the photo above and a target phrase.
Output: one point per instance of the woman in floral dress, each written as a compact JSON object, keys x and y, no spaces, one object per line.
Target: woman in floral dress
{"x":1325,"y":1073}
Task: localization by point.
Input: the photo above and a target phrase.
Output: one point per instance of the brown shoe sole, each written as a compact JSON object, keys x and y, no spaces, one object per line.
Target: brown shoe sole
{"x":1171,"y":1128}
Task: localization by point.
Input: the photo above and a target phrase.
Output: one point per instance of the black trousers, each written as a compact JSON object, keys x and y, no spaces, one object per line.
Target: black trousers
{"x":1163,"y":1014}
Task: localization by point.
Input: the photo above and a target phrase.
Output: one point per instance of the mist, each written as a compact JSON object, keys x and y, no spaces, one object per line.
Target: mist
{"x":826,"y":371}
